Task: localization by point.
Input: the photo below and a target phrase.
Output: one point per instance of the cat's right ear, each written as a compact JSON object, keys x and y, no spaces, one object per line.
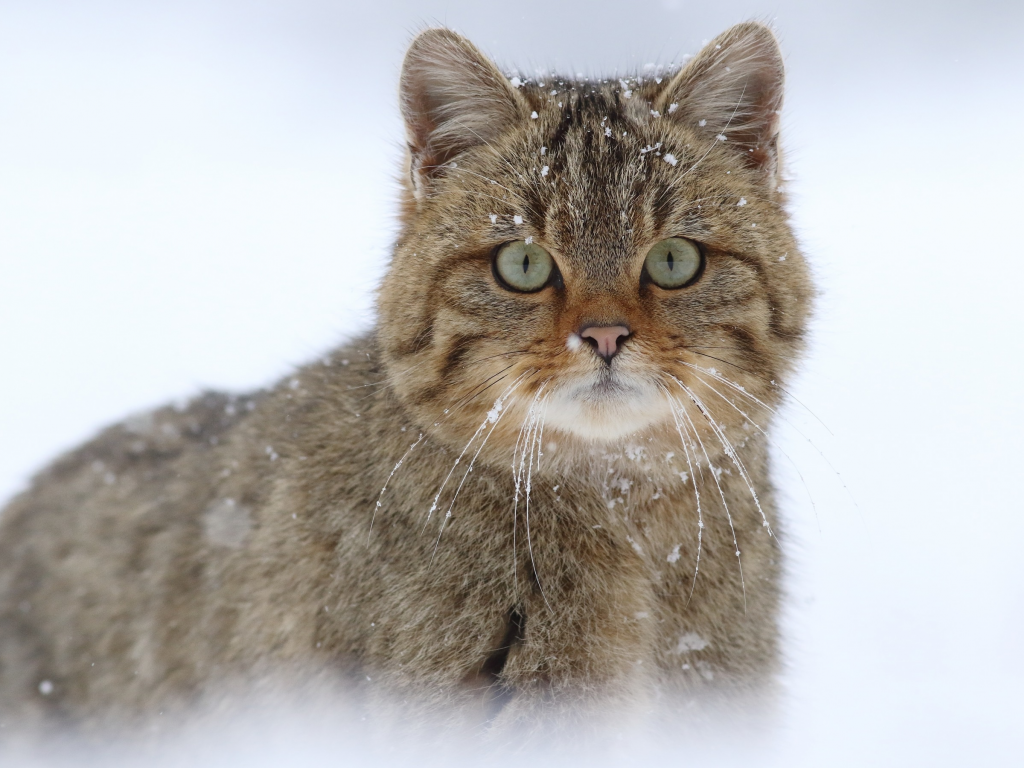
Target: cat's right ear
{"x":732,"y":90}
{"x":452,"y":98}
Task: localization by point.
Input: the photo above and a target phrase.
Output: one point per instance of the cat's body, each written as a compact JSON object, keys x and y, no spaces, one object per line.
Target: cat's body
{"x":479,"y":501}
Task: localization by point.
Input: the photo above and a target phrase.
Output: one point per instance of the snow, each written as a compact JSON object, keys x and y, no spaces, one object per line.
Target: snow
{"x":691,"y":641}
{"x":670,"y":158}
{"x":517,"y":219}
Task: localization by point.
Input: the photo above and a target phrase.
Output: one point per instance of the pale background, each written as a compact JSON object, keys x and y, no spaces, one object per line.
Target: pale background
{"x":200,"y":194}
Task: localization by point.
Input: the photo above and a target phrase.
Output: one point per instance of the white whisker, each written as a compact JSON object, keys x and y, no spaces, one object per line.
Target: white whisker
{"x":680,"y":427}
{"x":395,"y":469}
{"x":721,"y":493}
{"x":757,"y":426}
{"x":740,"y":390}
{"x":729,"y":451}
{"x":775,"y":384}
{"x":498,"y":405}
{"x":529,"y":477}
{"x":517,"y":475}
{"x":493,"y":417}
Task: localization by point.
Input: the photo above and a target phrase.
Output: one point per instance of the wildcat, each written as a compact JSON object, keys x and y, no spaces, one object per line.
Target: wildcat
{"x":542,"y":478}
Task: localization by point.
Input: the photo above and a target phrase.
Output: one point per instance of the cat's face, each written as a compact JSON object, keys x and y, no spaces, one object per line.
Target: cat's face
{"x":591,"y":248}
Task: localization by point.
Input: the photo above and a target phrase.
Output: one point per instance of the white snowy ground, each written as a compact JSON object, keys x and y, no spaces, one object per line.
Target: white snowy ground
{"x":200,"y":195}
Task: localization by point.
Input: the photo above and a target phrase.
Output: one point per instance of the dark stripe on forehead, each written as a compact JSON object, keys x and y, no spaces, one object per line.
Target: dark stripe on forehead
{"x":557,"y":140}
{"x":535,"y":204}
{"x":662,"y":207}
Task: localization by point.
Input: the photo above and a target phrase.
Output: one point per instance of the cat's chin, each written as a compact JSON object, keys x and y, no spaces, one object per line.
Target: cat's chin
{"x":606,"y":414}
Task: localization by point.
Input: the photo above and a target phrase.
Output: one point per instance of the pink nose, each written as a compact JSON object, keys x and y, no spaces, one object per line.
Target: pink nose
{"x":605,"y":339}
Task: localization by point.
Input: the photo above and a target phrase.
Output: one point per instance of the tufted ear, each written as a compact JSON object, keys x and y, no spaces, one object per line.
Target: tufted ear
{"x":453,"y":98}
{"x":733,"y":88}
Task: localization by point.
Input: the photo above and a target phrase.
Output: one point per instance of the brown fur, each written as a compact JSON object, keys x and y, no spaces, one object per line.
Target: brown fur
{"x":192,"y":546}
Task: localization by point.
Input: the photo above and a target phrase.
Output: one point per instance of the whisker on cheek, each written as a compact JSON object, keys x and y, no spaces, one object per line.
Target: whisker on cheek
{"x":729,"y":451}
{"x":772,"y":382}
{"x":758,"y":427}
{"x":743,"y":393}
{"x":523,"y":450}
{"x":478,"y":390}
{"x":493,"y":418}
{"x":498,"y":405}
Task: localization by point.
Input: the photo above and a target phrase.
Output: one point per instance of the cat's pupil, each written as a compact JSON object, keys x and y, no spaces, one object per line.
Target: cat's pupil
{"x":671,"y":262}
{"x":526,"y":264}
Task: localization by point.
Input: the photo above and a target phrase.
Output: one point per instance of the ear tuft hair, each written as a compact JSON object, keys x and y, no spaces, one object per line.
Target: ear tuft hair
{"x":452,"y":98}
{"x":733,"y":88}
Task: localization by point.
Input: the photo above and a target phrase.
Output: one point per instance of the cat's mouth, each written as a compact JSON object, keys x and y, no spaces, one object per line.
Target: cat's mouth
{"x":608,"y":386}
{"x":606,"y":406}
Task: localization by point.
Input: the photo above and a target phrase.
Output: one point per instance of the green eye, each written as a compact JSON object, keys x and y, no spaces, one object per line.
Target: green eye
{"x":673,"y":263}
{"x":523,"y":266}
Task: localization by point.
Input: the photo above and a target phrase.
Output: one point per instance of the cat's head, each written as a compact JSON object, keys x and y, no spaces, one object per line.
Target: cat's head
{"x":611,"y":252}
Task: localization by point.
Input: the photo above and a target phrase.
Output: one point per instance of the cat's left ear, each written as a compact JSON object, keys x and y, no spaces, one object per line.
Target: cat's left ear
{"x":732,"y":90}
{"x":453,"y":98}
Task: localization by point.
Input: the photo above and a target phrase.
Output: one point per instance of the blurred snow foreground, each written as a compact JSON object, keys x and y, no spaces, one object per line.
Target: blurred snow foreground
{"x":324,"y":724}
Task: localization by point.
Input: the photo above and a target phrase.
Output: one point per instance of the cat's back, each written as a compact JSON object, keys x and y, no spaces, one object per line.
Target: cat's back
{"x":119,"y":564}
{"x":86,"y":550}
